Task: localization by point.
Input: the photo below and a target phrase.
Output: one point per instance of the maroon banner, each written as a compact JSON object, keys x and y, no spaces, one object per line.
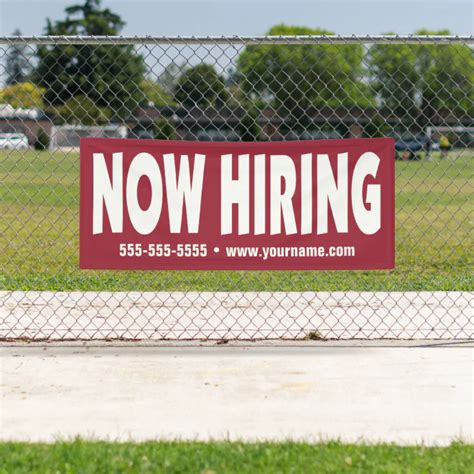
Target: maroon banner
{"x":307,"y":205}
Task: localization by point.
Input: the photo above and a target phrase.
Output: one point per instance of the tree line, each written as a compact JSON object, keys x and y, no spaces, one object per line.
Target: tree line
{"x":96,"y":83}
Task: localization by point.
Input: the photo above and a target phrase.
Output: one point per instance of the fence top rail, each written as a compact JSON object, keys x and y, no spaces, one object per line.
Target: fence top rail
{"x":243,"y":40}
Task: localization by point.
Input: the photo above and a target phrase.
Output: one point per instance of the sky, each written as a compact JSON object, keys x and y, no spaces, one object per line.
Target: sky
{"x":243,"y":17}
{"x":253,"y":17}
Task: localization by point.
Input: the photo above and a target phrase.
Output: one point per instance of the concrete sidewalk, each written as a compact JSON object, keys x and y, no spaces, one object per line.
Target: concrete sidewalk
{"x":406,"y":393}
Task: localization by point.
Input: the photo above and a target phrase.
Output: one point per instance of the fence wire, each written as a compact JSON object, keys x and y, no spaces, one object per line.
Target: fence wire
{"x":417,"y":89}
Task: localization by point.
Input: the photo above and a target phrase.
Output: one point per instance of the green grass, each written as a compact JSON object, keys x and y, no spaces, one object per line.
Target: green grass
{"x":39,"y":205}
{"x":226,"y":457}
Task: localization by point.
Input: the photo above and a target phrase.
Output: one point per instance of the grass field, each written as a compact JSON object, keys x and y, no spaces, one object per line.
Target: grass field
{"x":39,"y":205}
{"x":226,"y":457}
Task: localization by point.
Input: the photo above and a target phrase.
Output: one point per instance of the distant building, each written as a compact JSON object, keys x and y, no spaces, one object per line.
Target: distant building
{"x":225,"y":122}
{"x":26,"y":121}
{"x":68,"y":137}
{"x":219,"y":124}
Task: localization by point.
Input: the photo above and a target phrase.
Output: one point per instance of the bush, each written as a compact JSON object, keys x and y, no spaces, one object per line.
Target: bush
{"x":164,"y":129}
{"x":249,"y":129}
{"x":25,"y":94}
{"x":42,"y":140}
{"x":81,"y":110}
{"x":377,"y":127}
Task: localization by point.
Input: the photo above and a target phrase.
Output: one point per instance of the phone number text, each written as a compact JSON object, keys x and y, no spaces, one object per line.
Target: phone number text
{"x":163,"y":250}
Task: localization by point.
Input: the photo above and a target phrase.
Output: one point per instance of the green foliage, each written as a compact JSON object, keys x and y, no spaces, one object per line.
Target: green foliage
{"x":249,"y":129}
{"x":155,"y":93}
{"x":377,"y":127}
{"x":447,"y":77}
{"x":108,"y":75}
{"x":17,"y":64}
{"x":25,"y":94}
{"x":81,"y":110}
{"x":164,"y":129}
{"x":395,"y":77}
{"x":296,"y":77}
{"x":201,"y":86}
{"x":413,"y":79}
{"x":42,"y":140}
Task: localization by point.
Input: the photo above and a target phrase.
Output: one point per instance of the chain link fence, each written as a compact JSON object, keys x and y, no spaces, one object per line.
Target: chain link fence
{"x":417,"y":89}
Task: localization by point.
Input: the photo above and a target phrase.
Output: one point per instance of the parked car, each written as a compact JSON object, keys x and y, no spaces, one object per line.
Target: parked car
{"x":13,"y":141}
{"x":408,"y":147}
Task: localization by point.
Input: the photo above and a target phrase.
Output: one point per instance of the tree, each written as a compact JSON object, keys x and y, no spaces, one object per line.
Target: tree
{"x":109,"y":75}
{"x":395,"y":77}
{"x":25,"y":94}
{"x":416,"y":81}
{"x":295,"y":77}
{"x":249,"y":129}
{"x":446,"y":77}
{"x":82,"y":110}
{"x":17,"y":64}
{"x":201,"y":86}
{"x":164,"y":129}
{"x":167,"y":79}
{"x":155,"y":93}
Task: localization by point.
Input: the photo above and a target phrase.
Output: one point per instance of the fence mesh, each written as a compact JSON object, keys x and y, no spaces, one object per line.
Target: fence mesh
{"x":56,"y":89}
